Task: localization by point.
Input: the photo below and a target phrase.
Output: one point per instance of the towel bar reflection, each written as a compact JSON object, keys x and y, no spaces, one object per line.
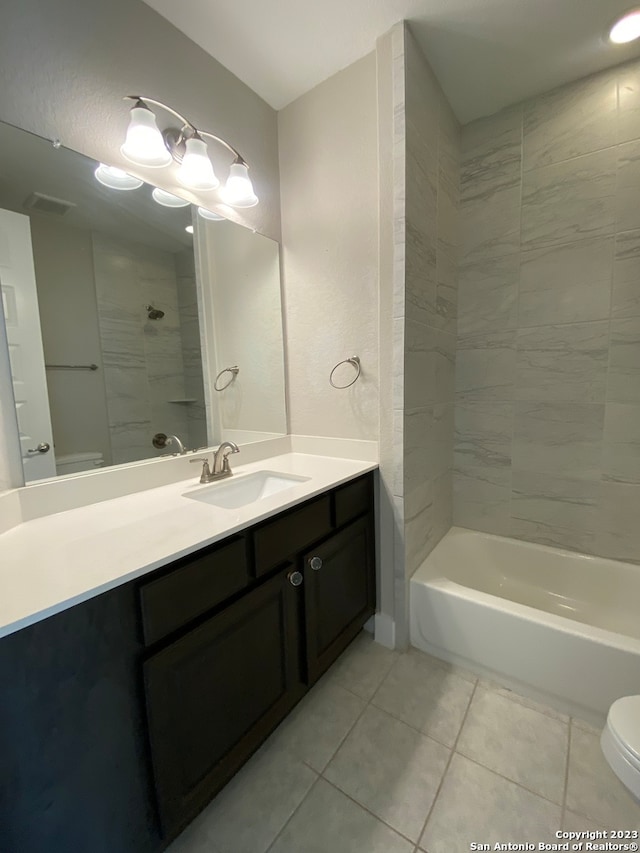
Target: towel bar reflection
{"x":234,"y":371}
{"x":355,"y":361}
{"x":71,"y":366}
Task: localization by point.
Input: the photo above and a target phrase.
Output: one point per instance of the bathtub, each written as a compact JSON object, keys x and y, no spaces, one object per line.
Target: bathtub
{"x":558,"y":626}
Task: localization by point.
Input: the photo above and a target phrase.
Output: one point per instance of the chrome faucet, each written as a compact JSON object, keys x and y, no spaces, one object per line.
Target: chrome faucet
{"x":221,"y":467}
{"x":173,"y":439}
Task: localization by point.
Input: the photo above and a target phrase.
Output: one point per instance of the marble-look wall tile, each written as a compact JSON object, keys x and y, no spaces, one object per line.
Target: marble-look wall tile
{"x":623,"y":380}
{"x":628,"y":102}
{"x":488,"y":294}
{"x":628,"y":190}
{"x":619,"y":531}
{"x":447,"y":290}
{"x":570,"y":200}
{"x":490,"y":226}
{"x":418,"y":525}
{"x":486,"y":366}
{"x":480,"y":503}
{"x":562,"y":362}
{"x":564,"y":469}
{"x":491,"y":155}
{"x":621,"y":443}
{"x":563,"y":439}
{"x":419,"y":365}
{"x":421,"y":275}
{"x":570,"y":121}
{"x":566,"y":284}
{"x":555,"y":510}
{"x":483,"y":435}
{"x":625,"y":299}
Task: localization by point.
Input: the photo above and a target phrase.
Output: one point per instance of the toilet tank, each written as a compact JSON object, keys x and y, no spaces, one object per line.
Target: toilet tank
{"x":72,"y":463}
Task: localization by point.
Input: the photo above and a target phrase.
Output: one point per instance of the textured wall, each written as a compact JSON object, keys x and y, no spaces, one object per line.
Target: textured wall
{"x":548,"y":364}
{"x":329,"y":172}
{"x":430,"y":304}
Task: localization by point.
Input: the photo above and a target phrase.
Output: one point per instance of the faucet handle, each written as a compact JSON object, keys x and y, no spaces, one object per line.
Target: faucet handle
{"x":205,"y":477}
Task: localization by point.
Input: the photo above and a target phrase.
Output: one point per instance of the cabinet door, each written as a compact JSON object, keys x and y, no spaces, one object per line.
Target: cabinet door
{"x":214,"y":695}
{"x":339,"y":593}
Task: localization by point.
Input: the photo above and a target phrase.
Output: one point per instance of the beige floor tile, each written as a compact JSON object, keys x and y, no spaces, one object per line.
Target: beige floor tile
{"x":362,"y":666}
{"x":524,"y":700}
{"x":587,"y":727}
{"x":317,"y":726}
{"x":593,"y":789}
{"x":391,"y":769}
{"x":576,"y":823}
{"x":247,"y":815}
{"x":427,"y":695}
{"x":475,"y":804}
{"x":329,"y":822}
{"x":522,"y":744}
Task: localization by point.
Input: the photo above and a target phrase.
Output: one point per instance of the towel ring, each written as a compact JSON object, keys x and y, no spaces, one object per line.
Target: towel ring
{"x":234,"y":371}
{"x":355,"y":361}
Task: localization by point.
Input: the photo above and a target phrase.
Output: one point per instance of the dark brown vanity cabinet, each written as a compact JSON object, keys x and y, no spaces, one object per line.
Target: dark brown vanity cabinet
{"x":216,"y":693}
{"x":121,"y":717}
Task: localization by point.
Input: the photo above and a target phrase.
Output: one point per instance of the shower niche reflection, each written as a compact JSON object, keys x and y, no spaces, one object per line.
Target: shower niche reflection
{"x":117,"y":311}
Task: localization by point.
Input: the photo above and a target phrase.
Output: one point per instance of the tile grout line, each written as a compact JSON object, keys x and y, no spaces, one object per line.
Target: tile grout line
{"x":293,"y":813}
{"x":566,"y":776}
{"x":451,"y":754}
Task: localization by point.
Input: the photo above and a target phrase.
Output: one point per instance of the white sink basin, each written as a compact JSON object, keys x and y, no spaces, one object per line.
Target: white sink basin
{"x":245,"y":489}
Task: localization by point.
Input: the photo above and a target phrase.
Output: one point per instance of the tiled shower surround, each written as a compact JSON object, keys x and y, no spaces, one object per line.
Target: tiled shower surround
{"x":147,"y":363}
{"x":547,"y":422}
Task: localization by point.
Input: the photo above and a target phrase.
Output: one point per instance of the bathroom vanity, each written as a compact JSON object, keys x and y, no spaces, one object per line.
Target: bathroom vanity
{"x":128,"y":712}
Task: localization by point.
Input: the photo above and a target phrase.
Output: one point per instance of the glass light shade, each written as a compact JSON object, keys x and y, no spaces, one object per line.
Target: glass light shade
{"x":116,"y":179}
{"x":209,"y":214}
{"x":238,"y":191}
{"x":626,"y":29}
{"x":196,"y":171}
{"x":168,"y":199}
{"x":144,"y":144}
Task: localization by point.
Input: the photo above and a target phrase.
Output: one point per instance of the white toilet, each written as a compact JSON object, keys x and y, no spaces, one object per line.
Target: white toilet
{"x":72,"y":463}
{"x":620,"y":742}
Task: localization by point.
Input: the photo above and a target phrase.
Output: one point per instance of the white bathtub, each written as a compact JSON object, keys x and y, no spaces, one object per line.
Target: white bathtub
{"x":559,"y":626}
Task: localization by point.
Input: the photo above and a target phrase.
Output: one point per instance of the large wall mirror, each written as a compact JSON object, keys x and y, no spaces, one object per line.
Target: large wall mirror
{"x":128,"y":319}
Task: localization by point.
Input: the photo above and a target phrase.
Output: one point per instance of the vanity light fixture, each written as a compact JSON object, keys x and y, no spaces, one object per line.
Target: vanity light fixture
{"x":189,"y":229}
{"x":146,"y":145}
{"x":116,"y":179}
{"x":168,"y":199}
{"x":626,"y":29}
{"x":210,"y":215}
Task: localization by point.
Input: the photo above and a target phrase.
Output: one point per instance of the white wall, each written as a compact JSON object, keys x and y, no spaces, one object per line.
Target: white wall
{"x":243,"y":272}
{"x":329,"y":186}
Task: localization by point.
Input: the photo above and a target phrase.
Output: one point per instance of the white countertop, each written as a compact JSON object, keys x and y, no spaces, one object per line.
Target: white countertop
{"x":49,"y":564}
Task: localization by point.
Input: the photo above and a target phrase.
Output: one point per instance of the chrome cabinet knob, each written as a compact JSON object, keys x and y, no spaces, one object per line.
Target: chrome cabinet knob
{"x":315,"y":563}
{"x":295,"y":578}
{"x":43,"y":447}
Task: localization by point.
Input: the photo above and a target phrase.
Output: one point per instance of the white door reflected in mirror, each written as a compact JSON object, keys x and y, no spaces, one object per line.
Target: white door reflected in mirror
{"x":22,"y":320}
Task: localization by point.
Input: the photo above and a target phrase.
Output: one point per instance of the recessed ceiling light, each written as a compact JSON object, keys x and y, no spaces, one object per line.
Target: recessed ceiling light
{"x":189,"y":229}
{"x":626,"y":29}
{"x":168,"y":199}
{"x":116,"y":179}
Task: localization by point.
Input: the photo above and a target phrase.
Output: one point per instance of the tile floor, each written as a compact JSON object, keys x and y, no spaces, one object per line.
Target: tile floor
{"x":401,"y":753}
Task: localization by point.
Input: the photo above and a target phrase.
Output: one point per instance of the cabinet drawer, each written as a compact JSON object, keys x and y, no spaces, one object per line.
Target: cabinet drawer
{"x":277,"y":540}
{"x":353,"y":499}
{"x":200,"y":583}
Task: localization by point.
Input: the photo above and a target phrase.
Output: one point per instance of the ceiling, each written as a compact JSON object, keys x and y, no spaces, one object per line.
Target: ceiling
{"x":486,"y":53}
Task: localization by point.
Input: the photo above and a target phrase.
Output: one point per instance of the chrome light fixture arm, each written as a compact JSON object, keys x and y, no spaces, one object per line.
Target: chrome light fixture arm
{"x":175,"y":139}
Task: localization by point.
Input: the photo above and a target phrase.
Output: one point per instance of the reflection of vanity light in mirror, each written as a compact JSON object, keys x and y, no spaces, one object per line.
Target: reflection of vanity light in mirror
{"x":116,"y":179}
{"x":210,"y":215}
{"x":168,"y":199}
{"x":146,"y":145}
{"x":189,"y":229}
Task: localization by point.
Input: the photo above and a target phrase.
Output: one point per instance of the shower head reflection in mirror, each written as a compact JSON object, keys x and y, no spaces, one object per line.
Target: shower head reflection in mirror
{"x":110,"y":277}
